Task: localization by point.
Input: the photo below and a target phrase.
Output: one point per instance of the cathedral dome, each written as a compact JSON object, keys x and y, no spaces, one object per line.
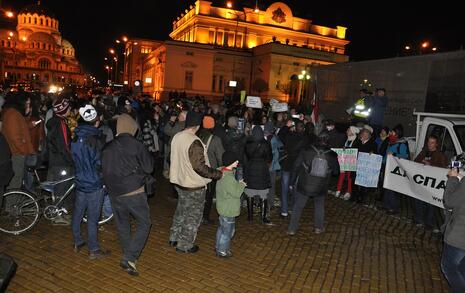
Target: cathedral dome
{"x":38,"y":9}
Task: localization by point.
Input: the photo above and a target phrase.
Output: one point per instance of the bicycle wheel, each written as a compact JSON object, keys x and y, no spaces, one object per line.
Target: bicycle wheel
{"x":19,"y":212}
{"x":103,"y":219}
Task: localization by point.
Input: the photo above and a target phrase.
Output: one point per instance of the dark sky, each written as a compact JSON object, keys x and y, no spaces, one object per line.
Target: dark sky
{"x":376,"y":29}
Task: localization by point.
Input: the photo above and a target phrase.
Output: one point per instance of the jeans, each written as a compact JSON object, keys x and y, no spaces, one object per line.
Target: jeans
{"x":424,"y":213}
{"x":453,"y":267}
{"x":30,"y":162}
{"x":136,"y":206}
{"x":106,"y":208}
{"x":285,"y":178}
{"x":224,"y":233}
{"x":92,"y":203}
{"x":299,"y":205}
{"x":272,"y":190}
{"x":391,"y":200}
{"x":18,"y":169}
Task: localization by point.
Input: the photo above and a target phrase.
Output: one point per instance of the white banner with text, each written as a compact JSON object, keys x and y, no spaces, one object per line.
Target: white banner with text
{"x":420,"y":181}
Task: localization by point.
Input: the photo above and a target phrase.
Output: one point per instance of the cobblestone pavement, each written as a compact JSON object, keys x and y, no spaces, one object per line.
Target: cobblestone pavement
{"x":362,"y":250}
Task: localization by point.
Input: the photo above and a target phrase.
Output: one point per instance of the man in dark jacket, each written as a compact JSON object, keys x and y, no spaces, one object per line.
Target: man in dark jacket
{"x":126,"y":164}
{"x":310,"y":185}
{"x":215,"y":151}
{"x":6,"y":168}
{"x":60,"y":161}
{"x":86,"y":151}
{"x":234,"y":141}
{"x":293,"y":138}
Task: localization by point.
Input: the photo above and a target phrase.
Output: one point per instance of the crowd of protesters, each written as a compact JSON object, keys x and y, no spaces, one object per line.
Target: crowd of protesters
{"x":209,"y":151}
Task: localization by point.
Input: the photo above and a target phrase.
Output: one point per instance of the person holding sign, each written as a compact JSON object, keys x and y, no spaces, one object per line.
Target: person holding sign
{"x":351,"y":133}
{"x":431,"y":156}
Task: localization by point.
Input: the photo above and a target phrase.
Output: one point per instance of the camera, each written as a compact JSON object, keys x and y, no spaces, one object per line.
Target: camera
{"x":296,"y":116}
{"x":456,"y":164}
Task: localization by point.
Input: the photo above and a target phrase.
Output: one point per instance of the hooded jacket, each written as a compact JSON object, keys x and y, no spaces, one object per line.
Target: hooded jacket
{"x":259,"y":155}
{"x":86,"y":150}
{"x":126,"y":161}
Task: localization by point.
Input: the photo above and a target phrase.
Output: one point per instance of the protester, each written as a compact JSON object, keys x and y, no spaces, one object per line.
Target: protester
{"x":126,"y":165}
{"x":313,"y":168}
{"x":228,"y":204}
{"x":453,"y":254}
{"x":351,"y":133}
{"x":86,"y":150}
{"x":430,"y":156}
{"x":215,"y":151}
{"x":6,"y":168}
{"x":190,"y":171}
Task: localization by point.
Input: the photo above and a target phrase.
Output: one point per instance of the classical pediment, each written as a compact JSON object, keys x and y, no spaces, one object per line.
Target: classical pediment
{"x":189,"y":64}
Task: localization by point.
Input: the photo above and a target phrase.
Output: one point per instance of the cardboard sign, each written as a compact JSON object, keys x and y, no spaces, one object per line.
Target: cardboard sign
{"x":368,"y":167}
{"x":254,"y":102}
{"x":273,"y":102}
{"x":279,"y":107}
{"x":347,"y":159}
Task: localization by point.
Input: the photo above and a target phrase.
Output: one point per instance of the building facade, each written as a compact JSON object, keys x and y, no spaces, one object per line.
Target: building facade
{"x":219,"y":51}
{"x":36,"y":53}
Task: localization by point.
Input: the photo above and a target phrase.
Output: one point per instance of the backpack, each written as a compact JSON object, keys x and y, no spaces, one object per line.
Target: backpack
{"x":320,"y":165}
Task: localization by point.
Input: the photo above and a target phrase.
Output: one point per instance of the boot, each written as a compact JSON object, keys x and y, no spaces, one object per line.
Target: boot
{"x":264,"y":211}
{"x":250,"y":209}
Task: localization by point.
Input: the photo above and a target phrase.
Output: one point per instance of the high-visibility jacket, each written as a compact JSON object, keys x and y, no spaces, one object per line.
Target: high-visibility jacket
{"x":361,"y":110}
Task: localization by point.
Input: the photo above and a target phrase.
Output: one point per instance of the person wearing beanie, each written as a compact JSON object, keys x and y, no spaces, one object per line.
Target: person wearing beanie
{"x":86,"y":149}
{"x":351,"y":133}
{"x":126,"y":166}
{"x":190,"y":172}
{"x":60,"y":161}
{"x":256,"y":173}
{"x":215,"y":150}
{"x":175,"y":124}
{"x":228,"y":205}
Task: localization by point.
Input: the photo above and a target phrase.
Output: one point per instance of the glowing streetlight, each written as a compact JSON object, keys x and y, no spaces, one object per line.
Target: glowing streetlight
{"x":407,"y":48}
{"x":118,"y":41}
{"x":11,"y":34}
{"x":112,"y":51}
{"x":229,"y":4}
{"x":125,"y":39}
{"x":9,"y":14}
{"x":424,"y":44}
{"x":434,"y":49}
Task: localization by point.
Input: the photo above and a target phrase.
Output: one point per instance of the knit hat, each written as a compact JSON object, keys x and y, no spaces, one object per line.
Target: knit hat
{"x":88,"y":113}
{"x":354,"y":130}
{"x":193,"y":119}
{"x":60,"y":107}
{"x":229,"y":158}
{"x":125,"y":124}
{"x":208,"y":122}
{"x":269,"y":128}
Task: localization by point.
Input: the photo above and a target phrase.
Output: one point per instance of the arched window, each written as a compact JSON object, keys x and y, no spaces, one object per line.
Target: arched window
{"x":29,"y":19}
{"x":44,"y":63}
{"x":35,"y":20}
{"x":41,"y":21}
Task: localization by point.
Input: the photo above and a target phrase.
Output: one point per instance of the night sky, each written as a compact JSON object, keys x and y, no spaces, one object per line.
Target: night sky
{"x":378,"y":29}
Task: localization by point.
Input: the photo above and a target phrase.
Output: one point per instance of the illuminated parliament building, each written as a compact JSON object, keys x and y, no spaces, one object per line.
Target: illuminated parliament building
{"x":35,"y":51}
{"x":220,"y":51}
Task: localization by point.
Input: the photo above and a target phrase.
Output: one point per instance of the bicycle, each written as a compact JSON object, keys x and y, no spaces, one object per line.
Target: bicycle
{"x":21,"y":209}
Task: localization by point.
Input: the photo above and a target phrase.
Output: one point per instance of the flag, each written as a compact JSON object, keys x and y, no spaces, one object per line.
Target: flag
{"x":314,"y":109}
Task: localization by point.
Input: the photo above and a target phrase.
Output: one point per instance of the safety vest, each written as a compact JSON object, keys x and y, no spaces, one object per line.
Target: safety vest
{"x":361,"y":110}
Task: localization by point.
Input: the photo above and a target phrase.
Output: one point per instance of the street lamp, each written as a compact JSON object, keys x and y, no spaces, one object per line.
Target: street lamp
{"x":419,"y":49}
{"x":303,"y":77}
{"x":108,"y":74}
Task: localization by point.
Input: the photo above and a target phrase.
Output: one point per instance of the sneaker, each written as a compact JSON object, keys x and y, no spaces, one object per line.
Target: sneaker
{"x":223,"y":254}
{"x":318,"y":231}
{"x":78,"y":247}
{"x":346,"y":196}
{"x":130,"y":267}
{"x":284,"y":215}
{"x":337,"y":194}
{"x":290,"y":232}
{"x":61,"y":221}
{"x":436,"y":231}
{"x":98,"y":254}
{"x":193,"y":249}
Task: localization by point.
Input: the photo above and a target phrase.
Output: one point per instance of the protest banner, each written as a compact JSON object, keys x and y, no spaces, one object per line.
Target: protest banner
{"x":254,"y":102}
{"x":347,"y":159}
{"x":368,"y":167}
{"x":417,"y":180}
{"x":279,"y":107}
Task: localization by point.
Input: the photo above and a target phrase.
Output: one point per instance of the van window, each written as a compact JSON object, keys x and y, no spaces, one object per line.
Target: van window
{"x":460,"y":130}
{"x":446,"y":144}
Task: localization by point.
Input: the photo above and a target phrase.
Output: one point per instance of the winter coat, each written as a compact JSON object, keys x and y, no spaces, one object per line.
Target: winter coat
{"x":258,"y":156}
{"x":454,"y":201}
{"x":125,"y":164}
{"x":86,"y":150}
{"x":6,"y":168}
{"x":311,"y":185}
{"x":367,"y":147}
{"x":293,"y":143}
{"x":228,"y":195}
{"x":58,"y":143}
{"x":16,"y":131}
{"x":276,"y":144}
{"x":215,"y":150}
{"x":234,"y":141}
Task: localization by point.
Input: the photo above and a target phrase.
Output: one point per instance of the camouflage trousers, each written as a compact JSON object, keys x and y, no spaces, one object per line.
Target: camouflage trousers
{"x":187,"y":218}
